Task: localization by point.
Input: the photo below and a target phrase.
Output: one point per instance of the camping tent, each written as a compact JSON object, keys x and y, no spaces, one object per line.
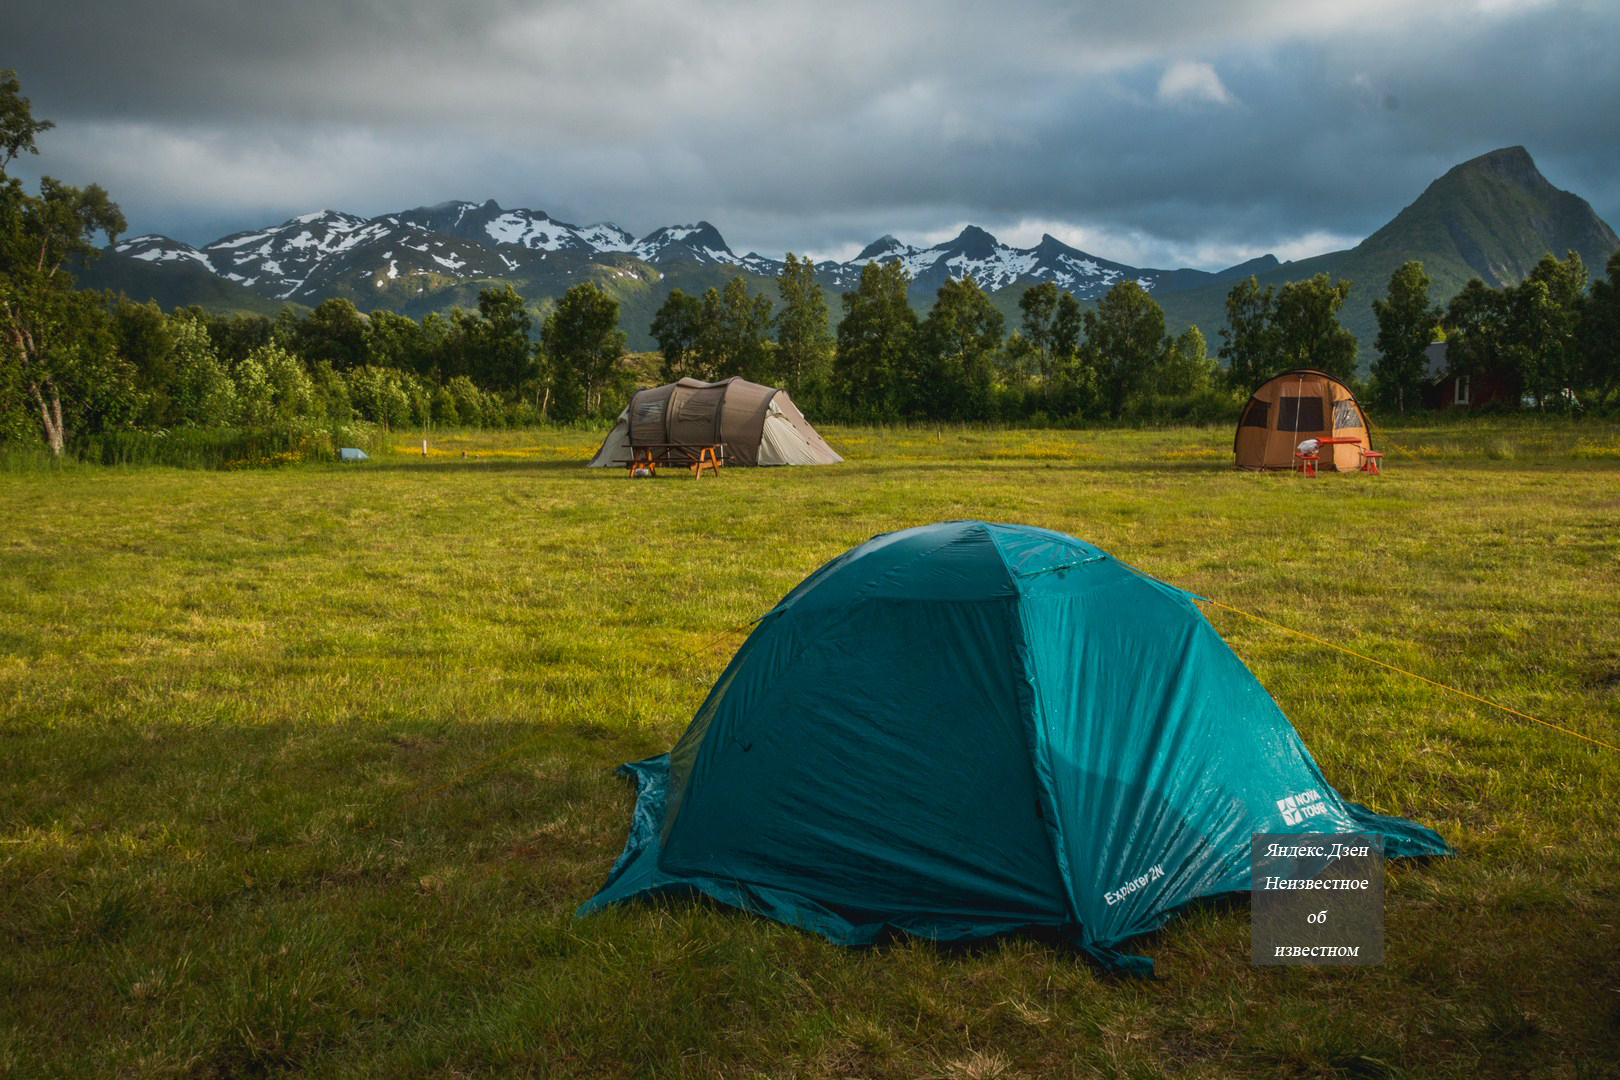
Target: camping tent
{"x":759,"y":425}
{"x":965,"y":729}
{"x":1287,"y":409}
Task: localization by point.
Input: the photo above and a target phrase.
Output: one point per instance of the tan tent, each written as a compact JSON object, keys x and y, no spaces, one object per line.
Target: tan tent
{"x":758,"y":425}
{"x":1297,"y":405}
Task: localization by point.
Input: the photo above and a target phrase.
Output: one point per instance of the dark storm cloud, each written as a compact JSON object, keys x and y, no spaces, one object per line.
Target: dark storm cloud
{"x":1178,"y":132}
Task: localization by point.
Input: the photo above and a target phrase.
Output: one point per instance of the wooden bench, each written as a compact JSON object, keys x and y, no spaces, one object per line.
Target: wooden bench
{"x":694,"y":456}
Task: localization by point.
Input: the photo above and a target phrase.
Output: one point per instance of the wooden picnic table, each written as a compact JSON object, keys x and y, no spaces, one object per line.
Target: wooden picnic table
{"x":694,"y":456}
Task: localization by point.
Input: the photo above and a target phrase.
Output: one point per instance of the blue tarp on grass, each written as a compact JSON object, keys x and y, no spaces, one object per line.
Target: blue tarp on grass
{"x":965,"y":729}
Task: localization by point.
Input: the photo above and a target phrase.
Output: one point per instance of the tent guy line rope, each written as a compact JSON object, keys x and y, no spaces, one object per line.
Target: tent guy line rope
{"x":1382,"y":434}
{"x":417,"y":797}
{"x":1403,"y":671}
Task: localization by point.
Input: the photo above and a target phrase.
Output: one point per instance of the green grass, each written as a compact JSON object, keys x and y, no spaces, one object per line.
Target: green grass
{"x":226,"y":696}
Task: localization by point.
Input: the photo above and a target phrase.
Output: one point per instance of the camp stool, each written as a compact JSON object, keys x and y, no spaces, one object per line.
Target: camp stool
{"x":1372,"y":462}
{"x":1306,"y":463}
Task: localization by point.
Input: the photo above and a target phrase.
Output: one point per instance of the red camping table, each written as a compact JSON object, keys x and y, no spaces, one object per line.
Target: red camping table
{"x":1344,"y":440}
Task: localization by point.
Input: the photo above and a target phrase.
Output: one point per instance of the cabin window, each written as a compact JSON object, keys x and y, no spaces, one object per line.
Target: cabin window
{"x":1255,"y":414}
{"x":1461,"y":396}
{"x":1299,"y":414}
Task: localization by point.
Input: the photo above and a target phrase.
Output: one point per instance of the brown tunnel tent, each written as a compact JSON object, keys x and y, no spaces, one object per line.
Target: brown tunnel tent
{"x":759,"y":425}
{"x":1287,"y":409}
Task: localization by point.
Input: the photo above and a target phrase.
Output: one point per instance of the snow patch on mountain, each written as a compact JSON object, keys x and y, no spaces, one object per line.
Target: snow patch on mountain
{"x":976,"y":254}
{"x":534,"y":231}
{"x":306,"y":256}
{"x":606,"y":236}
{"x":160,"y":249}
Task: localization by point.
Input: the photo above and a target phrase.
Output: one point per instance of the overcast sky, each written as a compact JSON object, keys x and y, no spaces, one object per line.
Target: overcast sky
{"x":1174,"y":133}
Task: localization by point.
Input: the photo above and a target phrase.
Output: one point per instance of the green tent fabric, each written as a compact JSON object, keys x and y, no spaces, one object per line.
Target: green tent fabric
{"x":966,"y":729}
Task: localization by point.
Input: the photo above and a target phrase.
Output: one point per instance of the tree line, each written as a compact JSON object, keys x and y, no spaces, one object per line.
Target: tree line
{"x":75,"y":364}
{"x":1552,"y":340}
{"x":885,"y":362}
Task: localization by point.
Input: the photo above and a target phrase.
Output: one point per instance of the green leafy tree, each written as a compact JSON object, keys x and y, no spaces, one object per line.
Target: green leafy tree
{"x":17,"y":124}
{"x":583,"y":347}
{"x":1125,"y":343}
{"x":55,"y":344}
{"x":1306,"y":328}
{"x":285,"y":327}
{"x":1406,"y":325}
{"x":201,"y":391}
{"x":144,"y":340}
{"x":804,"y":337}
{"x":1186,"y":367}
{"x":957,"y":344}
{"x":332,"y":400}
{"x":1599,"y":336}
{"x":468,"y":405}
{"x":1538,"y":342}
{"x":1477,"y":335}
{"x":1529,"y":335}
{"x":678,"y":327}
{"x":734,"y":334}
{"x":458,"y":354}
{"x":442,"y":408}
{"x":272,"y":388}
{"x":1549,"y":302}
{"x":1068,"y":325}
{"x":334,"y":333}
{"x":1566,"y":279}
{"x":397,"y":341}
{"x":1038,"y":327}
{"x":504,"y":355}
{"x":1017,"y":362}
{"x":714,"y":360}
{"x":235,"y":336}
{"x":749,"y":321}
{"x":1071,"y":388}
{"x":389,"y":397}
{"x":1248,"y":344}
{"x":877,"y":341}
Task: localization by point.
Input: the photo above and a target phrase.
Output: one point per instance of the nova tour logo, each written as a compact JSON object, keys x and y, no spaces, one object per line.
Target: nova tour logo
{"x":1152,"y":874}
{"x":1306,"y":804}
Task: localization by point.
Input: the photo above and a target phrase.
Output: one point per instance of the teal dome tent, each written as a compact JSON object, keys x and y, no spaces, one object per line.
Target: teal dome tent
{"x":963,"y":730}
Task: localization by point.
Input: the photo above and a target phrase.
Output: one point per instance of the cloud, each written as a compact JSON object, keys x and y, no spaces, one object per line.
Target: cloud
{"x":1190,"y":80}
{"x":818,"y":128}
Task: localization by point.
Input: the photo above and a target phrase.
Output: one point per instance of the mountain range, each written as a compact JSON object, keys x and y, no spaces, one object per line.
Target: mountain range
{"x":1491,"y":217}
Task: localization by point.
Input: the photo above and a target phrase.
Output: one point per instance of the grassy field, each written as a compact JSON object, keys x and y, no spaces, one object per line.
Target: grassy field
{"x":243,"y":827}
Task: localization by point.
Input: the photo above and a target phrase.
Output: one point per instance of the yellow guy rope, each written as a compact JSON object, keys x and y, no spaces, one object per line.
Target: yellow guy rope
{"x":1382,"y":434}
{"x":1413,"y":674}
